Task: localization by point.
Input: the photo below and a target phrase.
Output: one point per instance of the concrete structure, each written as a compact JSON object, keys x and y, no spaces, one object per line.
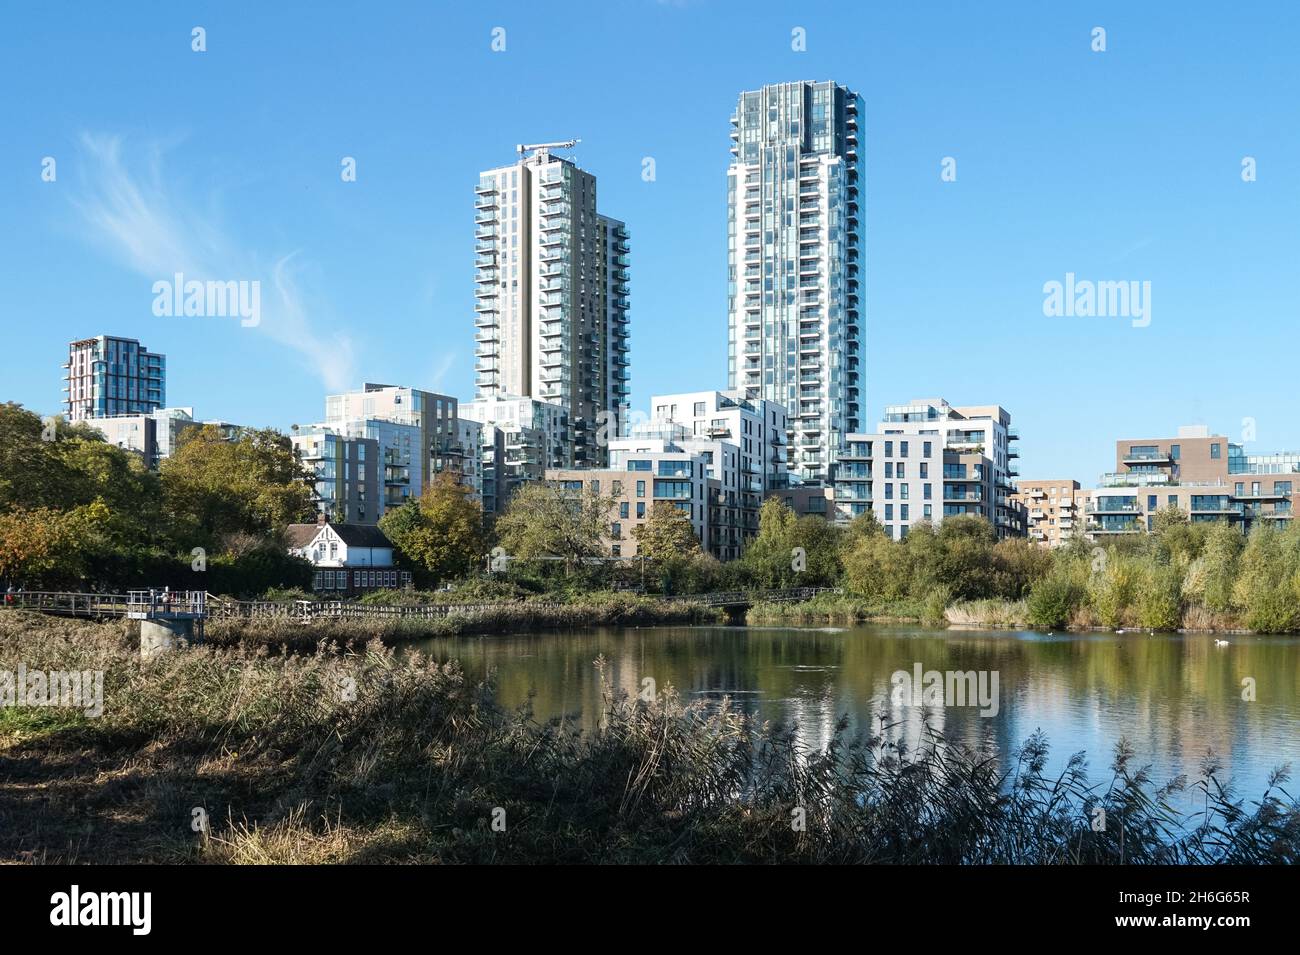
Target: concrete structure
{"x":1053,"y":509}
{"x":107,"y":375}
{"x":519,"y":439}
{"x":641,"y":480}
{"x":551,"y":295}
{"x":795,"y":263}
{"x":434,"y":417}
{"x":930,"y":460}
{"x":1205,"y":475}
{"x":346,"y":486}
{"x":349,"y":558}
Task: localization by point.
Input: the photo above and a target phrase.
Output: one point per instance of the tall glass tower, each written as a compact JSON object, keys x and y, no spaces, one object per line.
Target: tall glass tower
{"x":795,"y":250}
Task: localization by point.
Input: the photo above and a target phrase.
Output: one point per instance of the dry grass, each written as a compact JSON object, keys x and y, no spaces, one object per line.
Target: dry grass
{"x":363,"y":757}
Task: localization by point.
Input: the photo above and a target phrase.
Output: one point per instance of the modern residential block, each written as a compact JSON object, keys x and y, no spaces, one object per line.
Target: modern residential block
{"x":930,"y":460}
{"x":433,"y":415}
{"x":677,"y":478}
{"x":1205,"y":475}
{"x":346,"y":486}
{"x":108,"y":375}
{"x":158,"y":434}
{"x":742,"y":441}
{"x":519,"y":439}
{"x":551,"y":294}
{"x":1052,"y":509}
{"x":795,"y":272}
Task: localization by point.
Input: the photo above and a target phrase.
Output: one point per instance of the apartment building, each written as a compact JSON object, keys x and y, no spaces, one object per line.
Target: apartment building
{"x":551,"y":282}
{"x":743,"y":441}
{"x":796,"y":324}
{"x":817,"y":500}
{"x":1205,"y":475}
{"x":346,"y":485}
{"x":434,"y":417}
{"x":157,"y":435}
{"x":929,"y":460}
{"x":640,"y":481}
{"x":519,"y":439}
{"x":108,"y":375}
{"x":1052,"y":509}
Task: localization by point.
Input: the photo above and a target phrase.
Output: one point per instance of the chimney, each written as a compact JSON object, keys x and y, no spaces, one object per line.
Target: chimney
{"x":320,"y":518}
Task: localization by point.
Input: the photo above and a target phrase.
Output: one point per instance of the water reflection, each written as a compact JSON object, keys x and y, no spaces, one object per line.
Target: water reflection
{"x":1174,"y":697}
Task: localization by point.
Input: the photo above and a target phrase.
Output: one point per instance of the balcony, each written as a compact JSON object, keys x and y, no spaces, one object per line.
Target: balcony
{"x":1148,"y":457}
{"x":1115,"y":508}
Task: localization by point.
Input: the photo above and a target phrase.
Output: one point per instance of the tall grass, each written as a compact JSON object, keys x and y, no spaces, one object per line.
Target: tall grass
{"x":594,"y":610}
{"x":365,"y":757}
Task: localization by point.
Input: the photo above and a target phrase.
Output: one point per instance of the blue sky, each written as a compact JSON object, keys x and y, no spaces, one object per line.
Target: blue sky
{"x":1122,"y":165}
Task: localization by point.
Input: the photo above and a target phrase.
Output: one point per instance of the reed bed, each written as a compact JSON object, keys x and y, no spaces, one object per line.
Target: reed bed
{"x":365,"y":756}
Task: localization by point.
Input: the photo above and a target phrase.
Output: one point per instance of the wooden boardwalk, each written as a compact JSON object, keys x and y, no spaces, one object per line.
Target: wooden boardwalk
{"x":144,"y":604}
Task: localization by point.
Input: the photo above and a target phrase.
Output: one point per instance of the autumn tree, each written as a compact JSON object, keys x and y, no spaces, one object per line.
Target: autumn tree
{"x":545,"y":520}
{"x":214,"y":487}
{"x":440,"y":534}
{"x":666,"y":535}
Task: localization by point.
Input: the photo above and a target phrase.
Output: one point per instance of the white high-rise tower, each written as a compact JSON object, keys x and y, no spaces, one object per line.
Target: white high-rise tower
{"x":552,"y":294}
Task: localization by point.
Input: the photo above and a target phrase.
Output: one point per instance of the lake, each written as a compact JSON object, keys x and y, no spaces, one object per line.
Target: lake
{"x":1175,"y":697}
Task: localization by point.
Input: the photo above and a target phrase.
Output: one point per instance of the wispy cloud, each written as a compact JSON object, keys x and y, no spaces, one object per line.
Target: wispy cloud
{"x":132,"y":214}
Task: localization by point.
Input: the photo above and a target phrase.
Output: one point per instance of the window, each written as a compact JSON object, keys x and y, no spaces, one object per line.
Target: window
{"x":638,"y":465}
{"x":925,"y":446}
{"x":640,"y":492}
{"x":622,"y":509}
{"x":1216,"y":450}
{"x":902,"y":512}
{"x":673,"y":489}
{"x":616,"y":531}
{"x":902,"y":449}
{"x":1175,"y":450}
{"x":640,"y":508}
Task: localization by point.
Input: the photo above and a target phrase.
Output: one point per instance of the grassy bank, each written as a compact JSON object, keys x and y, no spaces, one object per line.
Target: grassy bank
{"x":507,"y":616}
{"x":362,"y":757}
{"x":836,"y":609}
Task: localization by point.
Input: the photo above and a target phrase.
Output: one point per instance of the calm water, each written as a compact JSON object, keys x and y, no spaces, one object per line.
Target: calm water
{"x":1174,"y":697}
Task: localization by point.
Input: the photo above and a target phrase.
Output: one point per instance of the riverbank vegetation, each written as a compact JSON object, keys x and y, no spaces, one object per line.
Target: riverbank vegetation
{"x":233,"y":756}
{"x":77,"y":513}
{"x":498,"y":616}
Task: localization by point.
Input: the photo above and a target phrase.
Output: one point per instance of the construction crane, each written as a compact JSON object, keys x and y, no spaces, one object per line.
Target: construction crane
{"x":544,"y":149}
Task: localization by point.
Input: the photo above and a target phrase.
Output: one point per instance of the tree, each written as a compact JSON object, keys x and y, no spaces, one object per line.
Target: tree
{"x":667,"y":534}
{"x":43,"y":545}
{"x":441,"y":534}
{"x":215,"y":487}
{"x":545,"y":520}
